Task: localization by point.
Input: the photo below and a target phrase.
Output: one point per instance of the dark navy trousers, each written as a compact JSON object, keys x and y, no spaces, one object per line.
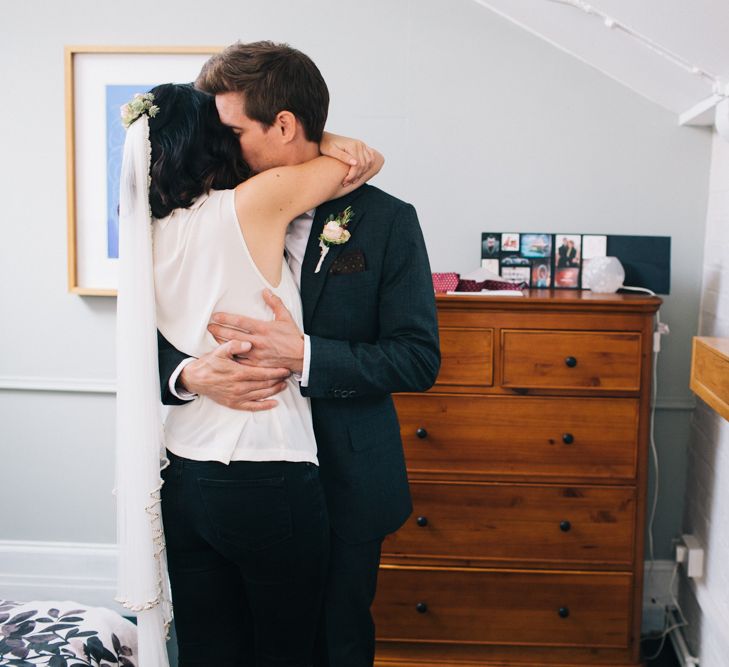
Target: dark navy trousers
{"x":247,"y":553}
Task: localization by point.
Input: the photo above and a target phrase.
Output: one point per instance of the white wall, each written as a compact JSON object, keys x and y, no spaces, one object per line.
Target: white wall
{"x":484,"y":127}
{"x":706,"y":601}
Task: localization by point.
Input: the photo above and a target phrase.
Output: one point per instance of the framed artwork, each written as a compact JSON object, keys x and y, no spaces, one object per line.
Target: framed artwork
{"x":540,"y":260}
{"x":567,"y":260}
{"x":98,"y":81}
{"x":559,"y":261}
{"x":510,"y":242}
{"x":541,"y":273}
{"x":490,"y":246}
{"x":536,"y":246}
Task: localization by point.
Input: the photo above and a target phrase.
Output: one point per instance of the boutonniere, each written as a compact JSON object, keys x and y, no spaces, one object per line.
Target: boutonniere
{"x":334,"y":233}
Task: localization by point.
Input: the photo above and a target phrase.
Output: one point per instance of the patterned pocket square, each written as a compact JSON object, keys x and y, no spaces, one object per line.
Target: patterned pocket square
{"x":348,"y":262}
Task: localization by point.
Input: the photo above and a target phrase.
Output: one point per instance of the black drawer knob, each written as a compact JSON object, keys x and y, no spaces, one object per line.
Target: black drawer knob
{"x":421,"y":433}
{"x":568,"y":438}
{"x":421,"y":607}
{"x":422,"y":521}
{"x":570,"y":361}
{"x":565,"y":526}
{"x":564,"y":612}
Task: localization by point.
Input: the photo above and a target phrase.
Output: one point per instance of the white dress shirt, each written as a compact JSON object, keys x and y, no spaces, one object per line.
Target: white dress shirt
{"x":297,"y":238}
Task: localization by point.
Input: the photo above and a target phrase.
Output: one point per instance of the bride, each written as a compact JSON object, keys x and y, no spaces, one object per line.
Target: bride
{"x":245,"y":523}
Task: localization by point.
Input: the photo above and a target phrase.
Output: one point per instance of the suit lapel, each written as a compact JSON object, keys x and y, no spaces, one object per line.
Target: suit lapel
{"x":313,"y":283}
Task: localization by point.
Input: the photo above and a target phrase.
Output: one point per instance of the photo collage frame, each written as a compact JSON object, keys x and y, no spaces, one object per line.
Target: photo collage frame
{"x":541,"y":260}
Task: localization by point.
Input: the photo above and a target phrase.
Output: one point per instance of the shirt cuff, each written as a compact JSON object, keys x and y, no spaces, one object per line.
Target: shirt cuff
{"x":180,"y":393}
{"x":303,"y":379}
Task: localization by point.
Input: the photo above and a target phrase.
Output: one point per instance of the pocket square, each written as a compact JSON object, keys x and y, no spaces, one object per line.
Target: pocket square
{"x":348,"y":262}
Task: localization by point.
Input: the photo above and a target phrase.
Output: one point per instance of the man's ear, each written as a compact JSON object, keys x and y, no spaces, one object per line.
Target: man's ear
{"x":286,"y":125}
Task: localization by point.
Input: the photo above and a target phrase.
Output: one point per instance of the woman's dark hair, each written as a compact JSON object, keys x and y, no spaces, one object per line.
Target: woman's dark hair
{"x":192,"y":151}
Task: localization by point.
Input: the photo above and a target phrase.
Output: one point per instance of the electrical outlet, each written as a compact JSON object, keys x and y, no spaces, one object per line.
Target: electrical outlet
{"x":694,"y":557}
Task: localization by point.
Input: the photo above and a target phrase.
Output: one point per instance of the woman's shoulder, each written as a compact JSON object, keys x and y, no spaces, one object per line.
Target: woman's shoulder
{"x":211,"y":209}
{"x":216,"y":196}
{"x":213,"y":202}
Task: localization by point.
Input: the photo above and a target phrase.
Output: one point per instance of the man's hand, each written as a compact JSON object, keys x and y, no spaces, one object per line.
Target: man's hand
{"x":275,"y":344}
{"x":219,"y":376}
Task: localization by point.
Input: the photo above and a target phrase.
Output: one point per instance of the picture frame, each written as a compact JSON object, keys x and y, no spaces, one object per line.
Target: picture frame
{"x":567,"y":261}
{"x":99,"y":79}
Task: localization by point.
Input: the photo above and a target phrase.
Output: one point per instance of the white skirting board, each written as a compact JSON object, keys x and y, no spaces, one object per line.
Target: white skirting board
{"x":86,"y":573}
{"x":82,"y":572}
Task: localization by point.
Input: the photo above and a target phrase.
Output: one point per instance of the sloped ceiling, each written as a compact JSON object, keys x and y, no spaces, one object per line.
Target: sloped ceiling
{"x":695,"y":30}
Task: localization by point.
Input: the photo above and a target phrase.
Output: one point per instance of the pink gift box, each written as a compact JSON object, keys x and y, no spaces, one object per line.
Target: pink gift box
{"x":470,"y":285}
{"x":445,"y":282}
{"x":478,"y":286}
{"x":503,"y":284}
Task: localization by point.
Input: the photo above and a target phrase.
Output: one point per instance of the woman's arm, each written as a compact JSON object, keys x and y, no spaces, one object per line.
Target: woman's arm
{"x":278,"y":195}
{"x":268,"y":202}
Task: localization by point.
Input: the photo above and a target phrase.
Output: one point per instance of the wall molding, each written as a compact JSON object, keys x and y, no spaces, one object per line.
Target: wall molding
{"x":101,"y":386}
{"x":86,"y":573}
{"x":687,"y":403}
{"x":78,"y":571}
{"x":57,"y":384}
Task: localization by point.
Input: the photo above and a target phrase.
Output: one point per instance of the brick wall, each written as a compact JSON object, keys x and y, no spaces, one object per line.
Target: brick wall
{"x":706,"y":601}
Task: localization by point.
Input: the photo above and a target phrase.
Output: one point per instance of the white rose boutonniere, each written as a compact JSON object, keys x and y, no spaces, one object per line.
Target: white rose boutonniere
{"x":334,"y":233}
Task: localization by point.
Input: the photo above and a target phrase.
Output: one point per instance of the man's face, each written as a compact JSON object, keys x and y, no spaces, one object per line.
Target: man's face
{"x":260,"y":149}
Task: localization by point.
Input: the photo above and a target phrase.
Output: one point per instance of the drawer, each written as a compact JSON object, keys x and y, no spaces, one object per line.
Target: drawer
{"x":466,"y":356}
{"x":503,"y":607}
{"x":556,"y":526}
{"x":519,"y":435}
{"x":590,"y":361}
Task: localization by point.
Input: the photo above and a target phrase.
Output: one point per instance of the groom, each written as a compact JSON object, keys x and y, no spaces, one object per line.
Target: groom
{"x":370,"y":329}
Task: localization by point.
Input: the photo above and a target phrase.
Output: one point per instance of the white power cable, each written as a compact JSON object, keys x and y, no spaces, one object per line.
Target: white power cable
{"x":652,"y":434}
{"x":668,"y":628}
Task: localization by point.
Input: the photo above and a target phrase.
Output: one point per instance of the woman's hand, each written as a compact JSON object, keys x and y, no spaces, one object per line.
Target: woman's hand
{"x":357,"y":154}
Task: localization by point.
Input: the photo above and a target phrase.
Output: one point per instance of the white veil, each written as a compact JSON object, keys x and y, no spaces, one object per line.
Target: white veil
{"x":140,"y":453}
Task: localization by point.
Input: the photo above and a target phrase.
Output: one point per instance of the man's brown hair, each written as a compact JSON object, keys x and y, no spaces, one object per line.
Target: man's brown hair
{"x":273,"y":78}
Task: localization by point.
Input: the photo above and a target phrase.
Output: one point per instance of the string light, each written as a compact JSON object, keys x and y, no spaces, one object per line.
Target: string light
{"x":717,"y":85}
{"x":719,"y":98}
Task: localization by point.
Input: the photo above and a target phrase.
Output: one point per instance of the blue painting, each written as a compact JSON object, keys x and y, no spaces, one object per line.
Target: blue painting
{"x":536,"y":245}
{"x":116,"y":96}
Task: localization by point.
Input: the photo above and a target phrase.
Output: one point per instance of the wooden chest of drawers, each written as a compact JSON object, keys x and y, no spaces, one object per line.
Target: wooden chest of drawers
{"x":528,"y":467}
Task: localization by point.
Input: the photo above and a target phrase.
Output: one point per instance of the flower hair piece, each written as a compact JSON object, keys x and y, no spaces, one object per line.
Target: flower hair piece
{"x":140,"y":104}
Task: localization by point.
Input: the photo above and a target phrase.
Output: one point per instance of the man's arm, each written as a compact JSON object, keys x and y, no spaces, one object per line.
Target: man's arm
{"x":220,"y":377}
{"x":406,"y":355}
{"x":169,"y":359}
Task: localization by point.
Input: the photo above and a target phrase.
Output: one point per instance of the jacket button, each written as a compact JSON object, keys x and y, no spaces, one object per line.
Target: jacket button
{"x":345,"y":393}
{"x":352,"y":392}
{"x":337,"y":393}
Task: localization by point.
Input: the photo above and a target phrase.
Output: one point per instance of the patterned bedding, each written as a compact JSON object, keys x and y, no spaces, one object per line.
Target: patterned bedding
{"x":64,"y":634}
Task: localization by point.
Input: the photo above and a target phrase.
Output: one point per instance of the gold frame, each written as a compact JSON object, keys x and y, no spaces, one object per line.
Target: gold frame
{"x":69,"y":54}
